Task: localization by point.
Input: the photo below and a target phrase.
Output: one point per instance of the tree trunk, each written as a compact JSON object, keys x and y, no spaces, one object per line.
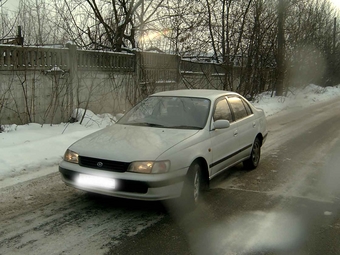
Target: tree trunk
{"x":281,"y":49}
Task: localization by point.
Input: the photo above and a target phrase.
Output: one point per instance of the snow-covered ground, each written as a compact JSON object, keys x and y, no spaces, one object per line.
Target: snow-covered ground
{"x":28,"y":151}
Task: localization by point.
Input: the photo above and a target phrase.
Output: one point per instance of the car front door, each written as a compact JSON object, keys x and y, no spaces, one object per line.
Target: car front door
{"x":224,"y":142}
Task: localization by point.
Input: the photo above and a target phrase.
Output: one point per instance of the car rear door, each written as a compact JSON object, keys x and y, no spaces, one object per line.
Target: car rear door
{"x":224,"y":142}
{"x":246,"y":123}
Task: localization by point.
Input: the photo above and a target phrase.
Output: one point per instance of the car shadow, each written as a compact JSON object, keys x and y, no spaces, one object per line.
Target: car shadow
{"x":228,"y":176}
{"x":109,"y":202}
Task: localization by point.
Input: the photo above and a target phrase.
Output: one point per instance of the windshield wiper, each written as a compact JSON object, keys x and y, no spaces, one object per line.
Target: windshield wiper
{"x":185,"y":127}
{"x":145,"y":124}
{"x":153,"y":124}
{"x":148,"y":124}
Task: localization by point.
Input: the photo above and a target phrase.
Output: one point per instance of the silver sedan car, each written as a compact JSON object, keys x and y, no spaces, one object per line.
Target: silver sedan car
{"x":169,"y":145}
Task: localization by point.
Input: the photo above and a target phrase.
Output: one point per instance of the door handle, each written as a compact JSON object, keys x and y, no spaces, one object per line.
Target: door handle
{"x":254,"y":124}
{"x":235,"y":133}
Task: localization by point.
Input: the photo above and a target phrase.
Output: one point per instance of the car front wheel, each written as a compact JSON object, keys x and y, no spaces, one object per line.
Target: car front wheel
{"x":253,"y":161}
{"x":192,"y":186}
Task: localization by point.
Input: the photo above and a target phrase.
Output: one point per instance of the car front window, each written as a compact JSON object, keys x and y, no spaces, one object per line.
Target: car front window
{"x":169,"y":112}
{"x":222,"y":111}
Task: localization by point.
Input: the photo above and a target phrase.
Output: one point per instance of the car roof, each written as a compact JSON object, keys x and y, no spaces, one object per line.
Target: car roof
{"x":201,"y":93}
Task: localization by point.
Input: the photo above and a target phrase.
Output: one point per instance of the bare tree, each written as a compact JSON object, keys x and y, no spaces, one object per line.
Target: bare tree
{"x":180,"y":24}
{"x":108,"y":25}
{"x":2,"y":2}
{"x":8,"y":21}
{"x":311,"y":51}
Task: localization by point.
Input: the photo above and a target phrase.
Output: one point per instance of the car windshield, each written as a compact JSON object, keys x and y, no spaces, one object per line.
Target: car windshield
{"x":169,"y":112}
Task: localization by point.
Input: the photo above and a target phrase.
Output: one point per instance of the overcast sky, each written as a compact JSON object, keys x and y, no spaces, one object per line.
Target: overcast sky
{"x":11,"y":5}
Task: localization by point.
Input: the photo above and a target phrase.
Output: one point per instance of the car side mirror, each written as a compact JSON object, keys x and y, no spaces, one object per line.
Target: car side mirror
{"x":221,"y":124}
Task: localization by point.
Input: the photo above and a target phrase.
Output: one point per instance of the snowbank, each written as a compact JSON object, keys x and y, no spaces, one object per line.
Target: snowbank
{"x":296,"y":98}
{"x":33,"y":147}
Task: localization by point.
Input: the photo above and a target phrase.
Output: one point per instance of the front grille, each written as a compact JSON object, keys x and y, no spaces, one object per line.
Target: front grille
{"x":109,"y":165}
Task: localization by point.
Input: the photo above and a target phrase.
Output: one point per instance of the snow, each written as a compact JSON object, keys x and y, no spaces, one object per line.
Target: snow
{"x":297,"y":98}
{"x":33,"y":150}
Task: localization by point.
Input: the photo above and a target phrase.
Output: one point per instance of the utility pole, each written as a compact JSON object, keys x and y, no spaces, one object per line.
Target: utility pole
{"x":334,"y":36}
{"x":333,"y":56}
{"x":281,"y":48}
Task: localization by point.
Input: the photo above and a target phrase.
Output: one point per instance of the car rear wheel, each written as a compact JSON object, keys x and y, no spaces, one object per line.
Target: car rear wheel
{"x":253,"y":161}
{"x":193,"y":185}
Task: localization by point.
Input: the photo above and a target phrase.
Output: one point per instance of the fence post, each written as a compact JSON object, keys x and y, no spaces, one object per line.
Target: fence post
{"x":73,"y":72}
{"x":178,"y":71}
{"x":138,"y":75}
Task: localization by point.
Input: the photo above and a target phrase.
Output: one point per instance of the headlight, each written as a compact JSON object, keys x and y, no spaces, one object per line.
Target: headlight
{"x":71,"y":156}
{"x":147,"y":167}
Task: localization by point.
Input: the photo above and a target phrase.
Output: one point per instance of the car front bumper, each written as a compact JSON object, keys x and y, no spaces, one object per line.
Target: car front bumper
{"x":129,"y":185}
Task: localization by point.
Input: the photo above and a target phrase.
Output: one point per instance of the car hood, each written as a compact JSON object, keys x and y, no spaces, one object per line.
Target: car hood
{"x":130,"y":143}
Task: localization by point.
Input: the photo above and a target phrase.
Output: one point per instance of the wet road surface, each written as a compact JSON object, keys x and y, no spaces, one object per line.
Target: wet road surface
{"x":289,"y":205}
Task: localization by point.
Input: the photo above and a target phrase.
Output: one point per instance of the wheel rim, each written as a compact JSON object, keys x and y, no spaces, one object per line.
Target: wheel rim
{"x":256,"y":153}
{"x":196,"y":185}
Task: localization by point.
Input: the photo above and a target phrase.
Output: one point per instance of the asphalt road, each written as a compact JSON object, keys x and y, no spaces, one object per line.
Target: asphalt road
{"x":289,"y":205}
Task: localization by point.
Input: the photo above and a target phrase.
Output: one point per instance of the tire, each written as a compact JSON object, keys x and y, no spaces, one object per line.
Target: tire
{"x":192,"y":186}
{"x":253,"y":161}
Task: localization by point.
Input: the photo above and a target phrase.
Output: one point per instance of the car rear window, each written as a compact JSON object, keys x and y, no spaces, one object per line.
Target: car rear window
{"x":238,"y":107}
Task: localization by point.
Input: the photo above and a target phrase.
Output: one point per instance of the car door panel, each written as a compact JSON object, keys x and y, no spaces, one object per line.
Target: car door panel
{"x":224,"y":142}
{"x":247,"y":130}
